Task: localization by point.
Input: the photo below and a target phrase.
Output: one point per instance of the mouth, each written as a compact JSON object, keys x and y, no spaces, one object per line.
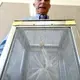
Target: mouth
{"x":42,"y":7}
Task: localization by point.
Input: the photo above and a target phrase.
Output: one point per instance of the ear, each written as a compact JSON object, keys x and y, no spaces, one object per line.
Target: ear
{"x":34,"y":4}
{"x":49,"y":5}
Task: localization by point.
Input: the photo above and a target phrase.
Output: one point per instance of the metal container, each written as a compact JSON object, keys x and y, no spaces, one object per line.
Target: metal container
{"x":41,"y":50}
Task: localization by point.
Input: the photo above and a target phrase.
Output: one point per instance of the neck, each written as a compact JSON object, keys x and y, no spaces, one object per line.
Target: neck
{"x":41,"y":14}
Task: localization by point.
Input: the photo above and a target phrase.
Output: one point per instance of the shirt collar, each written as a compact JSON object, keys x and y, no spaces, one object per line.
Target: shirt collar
{"x":39,"y":15}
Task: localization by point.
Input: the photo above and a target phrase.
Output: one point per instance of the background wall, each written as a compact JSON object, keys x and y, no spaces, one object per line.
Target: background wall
{"x":55,"y":2}
{"x":20,"y":9}
{"x":8,"y":13}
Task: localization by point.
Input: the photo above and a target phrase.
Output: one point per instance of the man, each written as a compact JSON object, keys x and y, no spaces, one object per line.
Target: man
{"x":42,"y":8}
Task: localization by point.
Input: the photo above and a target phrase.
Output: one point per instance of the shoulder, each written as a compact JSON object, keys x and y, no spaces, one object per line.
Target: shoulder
{"x":31,"y":18}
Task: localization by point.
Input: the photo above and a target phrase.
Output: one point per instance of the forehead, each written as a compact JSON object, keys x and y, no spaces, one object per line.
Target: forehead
{"x":42,"y":0}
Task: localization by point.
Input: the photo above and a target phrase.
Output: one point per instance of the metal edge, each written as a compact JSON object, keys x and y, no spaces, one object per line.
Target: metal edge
{"x":6,"y":49}
{"x":48,"y":20}
{"x":76,"y":39}
{"x":43,"y":22}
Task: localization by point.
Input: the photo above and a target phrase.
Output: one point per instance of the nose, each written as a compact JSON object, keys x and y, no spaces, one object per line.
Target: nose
{"x":43,"y":1}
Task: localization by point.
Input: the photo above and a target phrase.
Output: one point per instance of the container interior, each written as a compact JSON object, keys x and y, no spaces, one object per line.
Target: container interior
{"x":42,"y":54}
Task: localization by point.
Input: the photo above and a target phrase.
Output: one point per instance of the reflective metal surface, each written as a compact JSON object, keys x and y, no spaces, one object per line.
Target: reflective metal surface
{"x":42,"y":54}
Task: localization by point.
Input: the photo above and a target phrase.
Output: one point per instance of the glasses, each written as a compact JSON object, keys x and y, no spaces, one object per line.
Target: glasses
{"x":43,"y":0}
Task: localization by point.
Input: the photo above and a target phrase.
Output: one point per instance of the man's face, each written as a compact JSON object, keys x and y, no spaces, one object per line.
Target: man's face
{"x":42,"y":6}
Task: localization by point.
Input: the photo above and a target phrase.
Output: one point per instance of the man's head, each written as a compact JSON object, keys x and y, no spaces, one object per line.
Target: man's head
{"x":42,"y":6}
